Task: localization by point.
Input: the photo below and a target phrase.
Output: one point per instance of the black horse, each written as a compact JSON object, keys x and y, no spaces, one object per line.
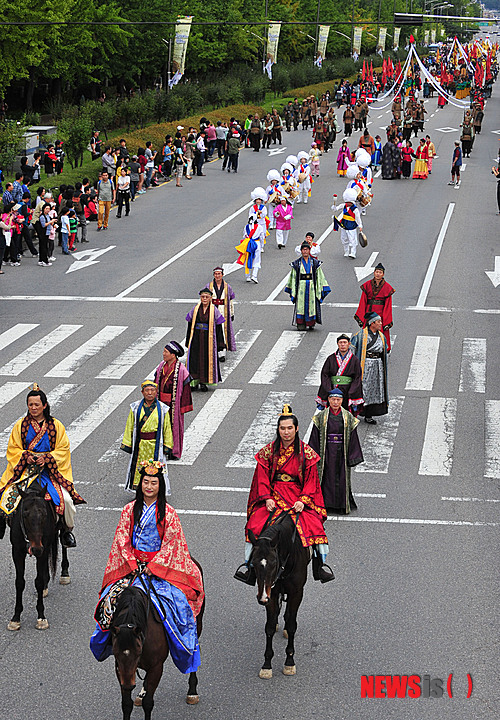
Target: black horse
{"x":139,"y":641}
{"x":280,"y":563}
{"x":34,"y":532}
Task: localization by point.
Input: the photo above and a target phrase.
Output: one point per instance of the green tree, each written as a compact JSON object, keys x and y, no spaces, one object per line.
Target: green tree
{"x":76,"y":134}
{"x":11,"y":137}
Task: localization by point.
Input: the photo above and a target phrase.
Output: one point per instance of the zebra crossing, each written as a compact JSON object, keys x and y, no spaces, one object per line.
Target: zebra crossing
{"x":264,"y":358}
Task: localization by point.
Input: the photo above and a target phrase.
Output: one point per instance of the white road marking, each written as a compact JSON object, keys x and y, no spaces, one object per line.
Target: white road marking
{"x":15,"y":332}
{"x":494,"y":275}
{"x":473,"y":365}
{"x":244,"y":341}
{"x":492,"y":439}
{"x":470,"y":499}
{"x":91,"y":255}
{"x":205,"y":424}
{"x":130,"y":356}
{"x":74,"y":360}
{"x":183,"y":252}
{"x":35,"y":351}
{"x":55,"y":397}
{"x":277,"y":358}
{"x":329,"y":346}
{"x":422,"y":298}
{"x":464,"y":165}
{"x":423,"y":363}
{"x":379,"y":116}
{"x":335,"y":518}
{"x":370,"y":495}
{"x":378,"y":173}
{"x":95,"y":414}
{"x":112,"y":452}
{"x":261,"y":431}
{"x":363,"y":271}
{"x":437,"y":451}
{"x":378,"y":445}
{"x":221,"y":488}
{"x":10,"y":390}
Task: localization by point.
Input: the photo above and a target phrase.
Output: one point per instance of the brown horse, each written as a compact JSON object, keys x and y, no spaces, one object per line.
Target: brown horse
{"x":280,"y":563}
{"x":139,"y":641}
{"x":34,"y":532}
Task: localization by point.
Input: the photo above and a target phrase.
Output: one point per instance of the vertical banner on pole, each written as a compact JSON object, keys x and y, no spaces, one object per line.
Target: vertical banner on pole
{"x":433,"y":36}
{"x":356,"y":43}
{"x":397,"y":33}
{"x":273,"y":36}
{"x":324,"y":31}
{"x":426,"y":37}
{"x":182,"y":30}
{"x":382,"y":34}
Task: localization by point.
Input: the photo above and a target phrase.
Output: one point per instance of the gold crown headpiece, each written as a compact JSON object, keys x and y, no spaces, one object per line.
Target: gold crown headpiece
{"x":35,"y":387}
{"x":287,"y":410}
{"x":152,"y":467}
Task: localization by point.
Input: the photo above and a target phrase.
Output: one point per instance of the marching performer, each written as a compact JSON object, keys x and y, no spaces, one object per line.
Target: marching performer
{"x":288,"y":184}
{"x":259,"y":196}
{"x":349,"y":221}
{"x":283,"y":216}
{"x":273,"y":191}
{"x":314,"y":161}
{"x":250,"y":249}
{"x":303,"y":177}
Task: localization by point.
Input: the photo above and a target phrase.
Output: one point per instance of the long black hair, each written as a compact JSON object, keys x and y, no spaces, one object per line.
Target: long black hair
{"x":43,"y":398}
{"x":296,"y":442}
{"x":160,"y":500}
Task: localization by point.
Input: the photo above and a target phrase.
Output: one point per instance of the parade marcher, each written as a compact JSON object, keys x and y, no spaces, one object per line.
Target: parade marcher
{"x":255,"y":133}
{"x":223,"y":298}
{"x":309,"y":239}
{"x":288,"y":183}
{"x":335,"y":438}
{"x":390,"y":161}
{"x":341,"y":371}
{"x":204,"y":339}
{"x":370,"y":347}
{"x":376,"y":296}
{"x":283,"y":216}
{"x":431,"y":152}
{"x":303,"y":177}
{"x":344,"y":157}
{"x":377,"y":153}
{"x":456,"y":165}
{"x":286,"y":481}
{"x":250,"y":249}
{"x":273,"y":192}
{"x":149,"y":550}
{"x":258,"y":209}
{"x":314,"y":159}
{"x":349,"y":221}
{"x":174,"y":391}
{"x":420,"y":171}
{"x":406,"y":159}
{"x":38,"y":451}
{"x":348,"y":118}
{"x":148,"y":433}
{"x":307,"y":287}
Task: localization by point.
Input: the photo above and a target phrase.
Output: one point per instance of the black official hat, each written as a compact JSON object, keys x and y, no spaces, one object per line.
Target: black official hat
{"x":380,"y":267}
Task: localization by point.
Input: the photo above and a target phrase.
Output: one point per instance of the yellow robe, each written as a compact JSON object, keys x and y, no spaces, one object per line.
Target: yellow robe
{"x":146,"y":447}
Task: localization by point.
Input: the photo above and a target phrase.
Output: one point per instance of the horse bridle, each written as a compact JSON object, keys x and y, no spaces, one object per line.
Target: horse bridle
{"x":282,"y":565}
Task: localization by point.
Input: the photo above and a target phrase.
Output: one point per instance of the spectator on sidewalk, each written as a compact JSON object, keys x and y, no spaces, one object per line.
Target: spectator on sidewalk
{"x":150,"y":163}
{"x":106,"y":195}
{"x":108,"y":161}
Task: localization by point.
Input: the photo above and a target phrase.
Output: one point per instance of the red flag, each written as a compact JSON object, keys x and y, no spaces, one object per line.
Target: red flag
{"x":363,"y":76}
{"x":371,"y":72}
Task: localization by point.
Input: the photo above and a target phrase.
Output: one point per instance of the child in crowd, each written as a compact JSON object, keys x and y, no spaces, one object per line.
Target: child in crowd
{"x":51,"y":237}
{"x":73,"y":230}
{"x":65,"y":230}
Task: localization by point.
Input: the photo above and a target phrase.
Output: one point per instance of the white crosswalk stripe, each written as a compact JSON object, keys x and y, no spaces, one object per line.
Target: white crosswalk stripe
{"x":277,"y":358}
{"x":423,"y":363}
{"x":56,"y":397}
{"x":261,"y":431}
{"x":437,"y":452}
{"x":113,"y":451}
{"x":206,"y":422}
{"x":14,"y":333}
{"x":10,"y":390}
{"x":95,"y":414}
{"x":492,"y":439}
{"x":72,"y":362}
{"x":473,"y":366}
{"x":129,"y":357}
{"x":244,"y":341}
{"x":35,"y":351}
{"x":329,"y":346}
{"x":378,"y":445}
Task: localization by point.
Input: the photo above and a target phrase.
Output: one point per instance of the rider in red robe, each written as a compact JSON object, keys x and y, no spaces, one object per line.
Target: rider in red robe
{"x":376,"y":296}
{"x":286,"y":480}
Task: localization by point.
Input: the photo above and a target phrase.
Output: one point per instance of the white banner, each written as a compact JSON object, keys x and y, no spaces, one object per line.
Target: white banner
{"x":397,"y":33}
{"x":273,"y":36}
{"x":433,"y":36}
{"x":356,"y":43}
{"x":182,"y":30}
{"x":382,"y":34}
{"x":324,"y":31}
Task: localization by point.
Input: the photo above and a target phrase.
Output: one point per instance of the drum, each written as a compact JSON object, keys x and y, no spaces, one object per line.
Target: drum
{"x":302,"y":177}
{"x":364,"y":199}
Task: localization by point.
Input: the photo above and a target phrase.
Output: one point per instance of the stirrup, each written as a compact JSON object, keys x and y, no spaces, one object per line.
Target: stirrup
{"x":248,"y":577}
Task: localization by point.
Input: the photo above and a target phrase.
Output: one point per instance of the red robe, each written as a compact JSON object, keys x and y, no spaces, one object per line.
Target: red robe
{"x":376,"y":299}
{"x":303,"y":485}
{"x":172,"y":562}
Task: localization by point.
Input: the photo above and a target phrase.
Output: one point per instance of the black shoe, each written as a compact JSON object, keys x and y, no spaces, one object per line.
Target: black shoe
{"x":370,"y":421}
{"x":245,"y":574}
{"x":3,"y":525}
{"x":68,"y":539}
{"x":321,"y":571}
{"x":203,"y":387}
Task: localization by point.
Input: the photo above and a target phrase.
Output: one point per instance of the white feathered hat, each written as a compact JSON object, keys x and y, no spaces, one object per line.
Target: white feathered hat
{"x":358,"y":152}
{"x":292,"y":159}
{"x":286,"y":166}
{"x":258,"y":193}
{"x":350,"y":195}
{"x":363,"y":159}
{"x":352,"y":171}
{"x":302,"y":155}
{"x":273,"y":175}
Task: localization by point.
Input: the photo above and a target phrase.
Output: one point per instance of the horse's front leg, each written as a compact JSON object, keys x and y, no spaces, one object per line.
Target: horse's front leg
{"x":151,"y":682}
{"x":192,"y":697}
{"x":127,"y":703}
{"x":272,"y":610}
{"x":65,"y":577}
{"x":41,"y":583}
{"x":292,"y":607}
{"x":19,"y":558}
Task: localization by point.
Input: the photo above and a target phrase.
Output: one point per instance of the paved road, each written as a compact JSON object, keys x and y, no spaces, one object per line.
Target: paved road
{"x":415,"y":566}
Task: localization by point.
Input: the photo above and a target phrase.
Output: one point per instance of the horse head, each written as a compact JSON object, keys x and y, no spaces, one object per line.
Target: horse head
{"x":128,"y":630}
{"x":33,"y":518}
{"x":265,"y":560}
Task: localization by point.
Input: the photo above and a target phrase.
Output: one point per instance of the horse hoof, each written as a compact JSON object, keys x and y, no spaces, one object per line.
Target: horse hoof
{"x":64,"y":580}
{"x":42,"y":624}
{"x":45,"y":592}
{"x":285,"y":634}
{"x":13,"y":625}
{"x":289,"y":670}
{"x":265,"y":674}
{"x":192,"y":699}
{"x":138,"y":701}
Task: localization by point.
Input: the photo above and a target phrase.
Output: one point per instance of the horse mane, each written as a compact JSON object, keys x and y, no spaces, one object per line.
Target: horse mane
{"x":132,"y":608}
